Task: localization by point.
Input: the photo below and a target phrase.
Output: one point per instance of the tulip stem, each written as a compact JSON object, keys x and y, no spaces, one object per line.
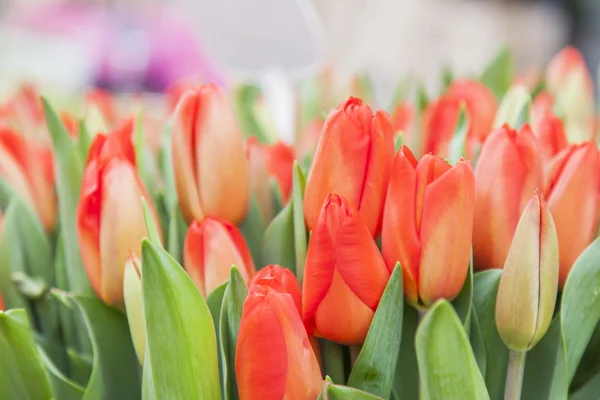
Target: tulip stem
{"x":514,"y":377}
{"x":333,"y":361}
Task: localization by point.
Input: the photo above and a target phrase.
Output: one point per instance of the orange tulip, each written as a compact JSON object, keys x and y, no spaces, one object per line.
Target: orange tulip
{"x":211,"y":171}
{"x":344,"y":276}
{"x":211,"y":247}
{"x":572,"y":191}
{"x":403,"y":118}
{"x":428,"y":224}
{"x":274,"y":359}
{"x":550,"y":132}
{"x":281,"y":279}
{"x":110,"y":221}
{"x":508,"y":172}
{"x":29,"y":169}
{"x":441,"y":117}
{"x":353,"y":158}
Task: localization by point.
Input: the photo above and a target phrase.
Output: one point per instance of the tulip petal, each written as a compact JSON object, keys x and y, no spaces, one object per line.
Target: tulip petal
{"x":122,"y":226}
{"x":428,"y":170}
{"x":446,"y":232}
{"x":261,"y":362}
{"x":247,"y":268}
{"x":400,"y":237}
{"x":184,"y":163}
{"x":280,"y":279}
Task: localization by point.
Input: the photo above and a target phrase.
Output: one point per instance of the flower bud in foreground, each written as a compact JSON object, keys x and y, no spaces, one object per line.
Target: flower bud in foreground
{"x":527,"y":292}
{"x":211,"y":171}
{"x":344,"y":275}
{"x":280,"y":279}
{"x":507,"y":173}
{"x":132,"y":294}
{"x":353,"y":158}
{"x":211,"y":247}
{"x":428,"y":225}
{"x":29,"y":169}
{"x":274,"y":359}
{"x":110,"y":220}
{"x":572,"y":190}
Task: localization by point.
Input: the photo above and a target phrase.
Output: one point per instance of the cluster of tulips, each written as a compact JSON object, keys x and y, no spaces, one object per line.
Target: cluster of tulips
{"x":178,"y":250}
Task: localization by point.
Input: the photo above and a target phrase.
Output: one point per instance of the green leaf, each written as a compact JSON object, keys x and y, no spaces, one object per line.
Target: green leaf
{"x":589,"y":365}
{"x":398,"y":142}
{"x":447,"y":77}
{"x":463,"y":302}
{"x":446,"y":362}
{"x":498,"y":74}
{"x":115,"y":365}
{"x":23,"y":375}
{"x":165,"y":164}
{"x":338,"y":392}
{"x":476,"y":338}
{"x":253,"y":229}
{"x":485,"y":289}
{"x":278,"y":243}
{"x":180,"y":334}
{"x":214,"y":301}
{"x":580,"y":306}
{"x":300,"y":237}
{"x":62,"y":386}
{"x":514,"y":108}
{"x":84,"y":142}
{"x":589,"y":391}
{"x":153,"y":233}
{"x":540,"y":364}
{"x":244,"y":100}
{"x":422,"y":98}
{"x":560,"y":381}
{"x":231,"y":315}
{"x":332,"y":355}
{"x":406,"y":382}
{"x":176,"y":234}
{"x":375,"y":366}
{"x":69,"y":174}
{"x":458,"y":143}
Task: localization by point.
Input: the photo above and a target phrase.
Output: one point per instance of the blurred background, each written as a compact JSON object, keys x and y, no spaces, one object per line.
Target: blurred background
{"x":132,"y":46}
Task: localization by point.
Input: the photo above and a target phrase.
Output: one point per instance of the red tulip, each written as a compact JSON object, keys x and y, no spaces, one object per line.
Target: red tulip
{"x":572,"y":191}
{"x":211,"y":247}
{"x":274,"y":359}
{"x":508,"y":172}
{"x":211,"y":171}
{"x":353,"y":159}
{"x":344,"y":275}
{"x":110,"y":221}
{"x":280,"y":279}
{"x":29,"y":169}
{"x":428,"y":224}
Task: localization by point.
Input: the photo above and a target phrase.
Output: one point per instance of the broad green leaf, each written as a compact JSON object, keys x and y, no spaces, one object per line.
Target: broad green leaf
{"x":165,"y":162}
{"x":540,"y":364}
{"x":253,"y":229}
{"x":399,"y":141}
{"x":153,"y":233}
{"x":62,"y":386}
{"x":485,"y":289}
{"x":84,"y":141}
{"x":589,"y":365}
{"x":231,"y":315}
{"x":332,"y":355}
{"x":464,"y":301}
{"x":278,"y":243}
{"x":458,"y":143}
{"x":176,"y":234}
{"x":498,"y":74}
{"x":180,"y":335}
{"x":447,"y":77}
{"x":338,"y":392}
{"x":589,"y":391}
{"x":23,"y":376}
{"x":446,"y":362}
{"x":115,"y":365}
{"x":244,"y":100}
{"x":580,"y":306}
{"x":69,"y":174}
{"x":476,"y":339}
{"x":214,"y":301}
{"x":147,"y":380}
{"x":300,"y":237}
{"x":514,"y":108}
{"x":422,"y":98}
{"x":406,"y":382}
{"x":375,"y":367}
{"x":560,"y":380}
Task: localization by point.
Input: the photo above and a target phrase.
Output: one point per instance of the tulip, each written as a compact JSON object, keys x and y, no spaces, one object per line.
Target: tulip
{"x":132,"y":294}
{"x":110,"y":220}
{"x":211,"y":247}
{"x":274,"y":359}
{"x":547,"y":127}
{"x":441,"y":118}
{"x":104,"y":104}
{"x":572,"y":192}
{"x":403,"y":118}
{"x":344,"y":275}
{"x":507,"y":173}
{"x":569,"y":80}
{"x":428,"y":224}
{"x":353,"y":159}
{"x":527,"y":292}
{"x":269,"y":161}
{"x":280,"y":279}
{"x":211,"y":171}
{"x":29,"y":169}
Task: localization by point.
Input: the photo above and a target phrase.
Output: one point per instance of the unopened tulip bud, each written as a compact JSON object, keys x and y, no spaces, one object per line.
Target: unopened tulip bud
{"x":132,"y":293}
{"x":527,"y":291}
